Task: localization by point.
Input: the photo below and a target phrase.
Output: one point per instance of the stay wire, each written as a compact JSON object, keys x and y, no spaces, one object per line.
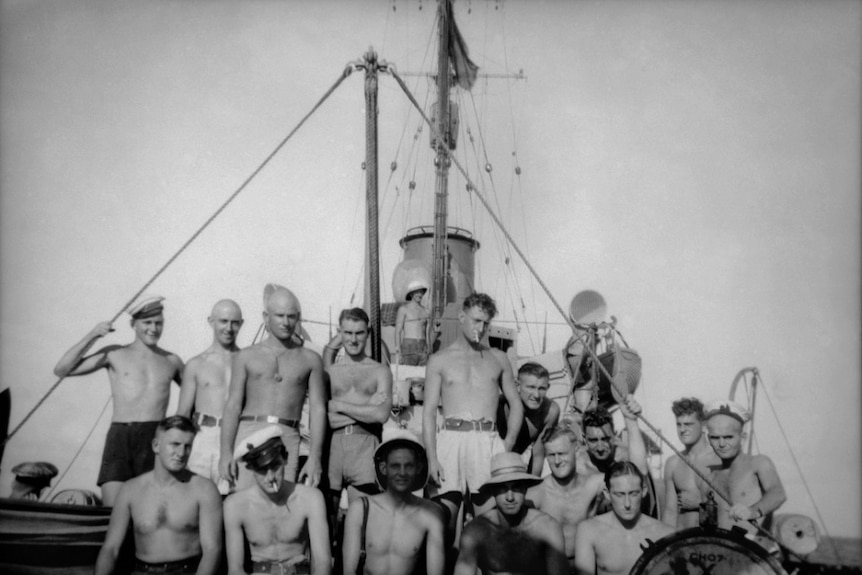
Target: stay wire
{"x":559,"y":308}
{"x":347,"y":71}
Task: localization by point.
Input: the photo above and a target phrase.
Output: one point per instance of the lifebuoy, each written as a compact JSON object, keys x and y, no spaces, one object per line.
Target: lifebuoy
{"x":716,"y":551}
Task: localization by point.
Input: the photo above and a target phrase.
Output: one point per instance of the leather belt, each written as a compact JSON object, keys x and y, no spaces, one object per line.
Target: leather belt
{"x":280,"y":568}
{"x":456,"y":424}
{"x":206,"y":420}
{"x":352,"y":429}
{"x":270,"y":419}
{"x":188,"y":565}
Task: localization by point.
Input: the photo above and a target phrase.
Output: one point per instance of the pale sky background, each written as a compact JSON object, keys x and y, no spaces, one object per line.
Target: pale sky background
{"x":698,"y":163}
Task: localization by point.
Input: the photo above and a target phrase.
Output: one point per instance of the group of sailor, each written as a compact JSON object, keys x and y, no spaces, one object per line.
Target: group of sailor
{"x":448,"y":484}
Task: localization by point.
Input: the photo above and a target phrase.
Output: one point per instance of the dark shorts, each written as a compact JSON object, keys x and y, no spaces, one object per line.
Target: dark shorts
{"x":128,"y":451}
{"x":188,"y":565}
{"x":413,"y":351}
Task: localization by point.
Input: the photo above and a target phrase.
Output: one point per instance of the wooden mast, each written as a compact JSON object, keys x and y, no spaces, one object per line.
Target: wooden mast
{"x":372,"y":252}
{"x":441,"y":161}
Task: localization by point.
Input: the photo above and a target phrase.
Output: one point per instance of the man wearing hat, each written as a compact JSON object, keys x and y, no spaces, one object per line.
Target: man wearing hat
{"x":268,"y":386}
{"x":383,"y":532}
{"x":411,"y":321}
{"x":611,"y":543}
{"x":205,"y":387}
{"x":140,"y":374}
{"x":282,"y":521}
{"x":511,"y":538}
{"x":175,"y":515}
{"x":751,"y":482}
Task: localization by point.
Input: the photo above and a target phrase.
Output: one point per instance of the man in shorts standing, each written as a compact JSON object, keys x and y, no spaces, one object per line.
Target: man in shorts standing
{"x":140,"y":374}
{"x":468,"y":376}
{"x":411,"y":321}
{"x":205,"y":387}
{"x":361,"y":400}
{"x":268,"y":384}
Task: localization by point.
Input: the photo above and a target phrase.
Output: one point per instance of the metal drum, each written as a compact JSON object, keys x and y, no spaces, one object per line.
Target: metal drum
{"x":697,"y":551}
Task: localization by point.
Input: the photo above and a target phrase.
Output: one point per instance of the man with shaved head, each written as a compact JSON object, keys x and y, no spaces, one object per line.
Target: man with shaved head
{"x":750,"y":481}
{"x":268,"y":385}
{"x":204,"y":390}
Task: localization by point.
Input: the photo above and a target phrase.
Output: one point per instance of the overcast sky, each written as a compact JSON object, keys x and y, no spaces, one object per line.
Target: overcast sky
{"x":695,"y":162}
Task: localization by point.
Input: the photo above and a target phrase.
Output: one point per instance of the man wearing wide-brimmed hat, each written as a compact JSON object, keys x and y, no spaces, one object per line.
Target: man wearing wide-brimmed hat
{"x":140,"y":374}
{"x":750,"y":481}
{"x":411,"y":321}
{"x":283,"y":522}
{"x":382,"y":532}
{"x":511,"y":538}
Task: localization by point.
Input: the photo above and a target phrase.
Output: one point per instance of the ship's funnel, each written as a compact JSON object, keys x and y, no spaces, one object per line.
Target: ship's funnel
{"x":418,"y":244}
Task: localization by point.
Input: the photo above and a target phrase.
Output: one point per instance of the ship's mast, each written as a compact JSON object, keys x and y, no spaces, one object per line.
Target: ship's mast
{"x":441,"y":161}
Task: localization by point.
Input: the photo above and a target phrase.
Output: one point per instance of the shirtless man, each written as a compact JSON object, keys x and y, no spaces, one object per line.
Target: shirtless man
{"x":360,"y":404}
{"x":682,"y":496}
{"x":176,"y":515}
{"x":541,"y":415}
{"x":205,"y":388}
{"x":565,"y":494}
{"x":604,"y":449}
{"x":750,"y":481}
{"x":280,"y":520}
{"x":511,"y":538}
{"x":411,"y":321}
{"x":268,"y":384}
{"x":468,"y":377}
{"x":140,"y":374}
{"x":611,"y":543}
{"x":397,"y":524}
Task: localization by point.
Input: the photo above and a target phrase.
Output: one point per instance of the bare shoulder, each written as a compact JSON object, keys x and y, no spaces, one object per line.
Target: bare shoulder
{"x":656,"y":528}
{"x":311,"y":356}
{"x":500,"y":356}
{"x":306,"y":497}
{"x":540,"y":520}
{"x":203,"y":488}
{"x":237,"y":502}
{"x":429,"y":511}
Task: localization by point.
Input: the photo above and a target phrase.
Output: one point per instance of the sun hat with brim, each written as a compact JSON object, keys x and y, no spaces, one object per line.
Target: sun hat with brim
{"x":402,"y":439}
{"x":507,"y":467}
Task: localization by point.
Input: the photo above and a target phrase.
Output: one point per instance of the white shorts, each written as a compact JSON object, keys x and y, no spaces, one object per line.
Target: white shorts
{"x":204,"y":458}
{"x":465,"y":457}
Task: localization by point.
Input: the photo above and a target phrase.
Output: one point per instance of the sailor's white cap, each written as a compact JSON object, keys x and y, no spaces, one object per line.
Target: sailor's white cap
{"x":728,"y":408}
{"x":256,"y":440}
{"x":148,"y":306}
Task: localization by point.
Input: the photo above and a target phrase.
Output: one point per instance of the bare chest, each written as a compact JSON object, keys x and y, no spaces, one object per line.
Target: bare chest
{"x":173,"y":510}
{"x":266,"y":527}
{"x":353,"y":380}
{"x":400,"y":534}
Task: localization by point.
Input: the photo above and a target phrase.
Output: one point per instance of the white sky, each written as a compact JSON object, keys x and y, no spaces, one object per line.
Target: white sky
{"x":695,"y":162}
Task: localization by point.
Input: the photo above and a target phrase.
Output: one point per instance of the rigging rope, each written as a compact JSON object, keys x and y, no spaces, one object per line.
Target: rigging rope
{"x":80,"y":449}
{"x":347,"y":71}
{"x":559,"y":308}
{"x":799,"y":470}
